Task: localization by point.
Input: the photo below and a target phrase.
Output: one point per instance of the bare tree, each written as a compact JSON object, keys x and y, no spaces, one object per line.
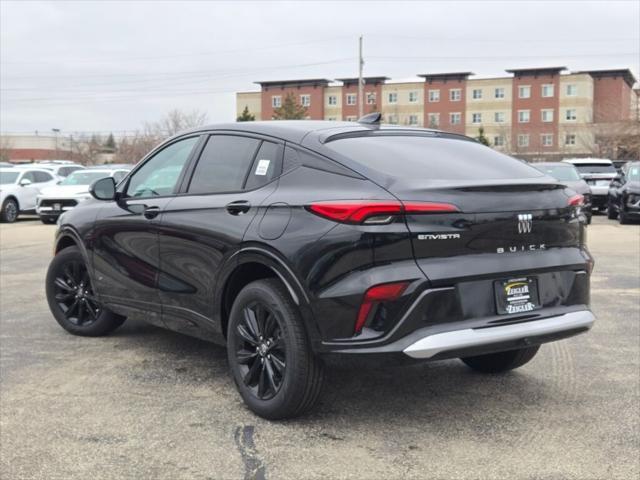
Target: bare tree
{"x":5,"y":148}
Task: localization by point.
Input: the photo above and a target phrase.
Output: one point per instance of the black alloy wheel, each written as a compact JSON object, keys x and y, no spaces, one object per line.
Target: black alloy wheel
{"x":72,"y":299}
{"x":74,"y":294}
{"x":260,"y":350}
{"x":9,"y":212}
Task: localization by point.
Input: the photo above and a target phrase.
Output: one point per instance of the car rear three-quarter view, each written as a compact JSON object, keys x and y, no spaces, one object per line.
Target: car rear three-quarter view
{"x":291,"y":242}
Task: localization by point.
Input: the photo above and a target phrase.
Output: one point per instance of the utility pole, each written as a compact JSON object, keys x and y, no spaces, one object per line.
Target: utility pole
{"x":360,"y":80}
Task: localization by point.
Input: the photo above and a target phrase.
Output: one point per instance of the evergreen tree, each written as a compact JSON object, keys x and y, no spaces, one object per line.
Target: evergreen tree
{"x":290,"y":109}
{"x":110,"y":143}
{"x":246,"y":116}
{"x":482,"y":138}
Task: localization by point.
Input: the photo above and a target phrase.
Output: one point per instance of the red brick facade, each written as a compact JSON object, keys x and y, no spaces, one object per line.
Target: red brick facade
{"x":612,"y":90}
{"x":535,"y":104}
{"x":448,"y":102}
{"x":372,"y":86}
{"x":313,"y":88}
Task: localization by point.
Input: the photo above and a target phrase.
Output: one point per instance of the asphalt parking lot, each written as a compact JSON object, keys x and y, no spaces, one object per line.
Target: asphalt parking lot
{"x":146,"y":403}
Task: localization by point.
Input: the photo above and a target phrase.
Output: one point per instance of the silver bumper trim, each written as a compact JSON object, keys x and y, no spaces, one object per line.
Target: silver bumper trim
{"x":431,"y":345}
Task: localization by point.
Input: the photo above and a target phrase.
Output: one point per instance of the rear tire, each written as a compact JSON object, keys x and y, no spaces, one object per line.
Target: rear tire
{"x":48,"y":220}
{"x":271,"y":361}
{"x":72,"y":300}
{"x":10,"y":211}
{"x":612,"y":214}
{"x":622,"y":218}
{"x":501,"y":361}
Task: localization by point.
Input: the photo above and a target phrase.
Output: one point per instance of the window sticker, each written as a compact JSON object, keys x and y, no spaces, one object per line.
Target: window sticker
{"x":263,"y":166}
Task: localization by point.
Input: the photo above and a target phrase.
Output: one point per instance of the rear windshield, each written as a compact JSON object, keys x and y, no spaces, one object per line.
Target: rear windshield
{"x":84,"y":177}
{"x":564,"y":173}
{"x":431,"y":158}
{"x":595,"y":168}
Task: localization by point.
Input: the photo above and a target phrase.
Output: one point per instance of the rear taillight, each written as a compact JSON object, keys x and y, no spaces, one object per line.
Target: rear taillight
{"x":374,"y":211}
{"x":576,"y":201}
{"x":386,"y":292}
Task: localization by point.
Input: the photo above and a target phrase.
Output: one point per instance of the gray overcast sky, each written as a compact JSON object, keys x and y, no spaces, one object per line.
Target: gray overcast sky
{"x":112,"y":65}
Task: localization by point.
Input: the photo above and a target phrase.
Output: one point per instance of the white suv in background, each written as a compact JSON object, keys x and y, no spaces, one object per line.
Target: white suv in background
{"x":598,"y":173}
{"x":55,"y":200}
{"x":19,"y":188}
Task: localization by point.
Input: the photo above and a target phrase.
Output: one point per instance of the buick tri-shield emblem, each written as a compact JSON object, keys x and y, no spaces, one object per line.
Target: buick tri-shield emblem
{"x":525,"y":223}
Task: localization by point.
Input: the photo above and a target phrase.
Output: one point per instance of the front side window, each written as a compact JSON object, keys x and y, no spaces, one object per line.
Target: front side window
{"x":64,"y":171}
{"x":43,"y":177}
{"x":223,"y":164}
{"x":31,"y":176}
{"x":455,"y":94}
{"x":159,"y":175}
{"x":7,"y":178}
{"x":434,"y":95}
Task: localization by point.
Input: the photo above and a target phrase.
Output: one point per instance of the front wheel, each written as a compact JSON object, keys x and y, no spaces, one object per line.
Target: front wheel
{"x":9,"y":212}
{"x":72,"y":299}
{"x":501,"y":361}
{"x":271,"y":361}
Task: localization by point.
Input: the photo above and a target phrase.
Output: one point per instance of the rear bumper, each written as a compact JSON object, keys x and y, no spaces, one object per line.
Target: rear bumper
{"x":527,"y":333}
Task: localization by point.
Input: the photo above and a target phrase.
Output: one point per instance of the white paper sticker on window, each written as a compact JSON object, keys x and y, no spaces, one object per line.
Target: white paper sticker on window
{"x":263,"y":166}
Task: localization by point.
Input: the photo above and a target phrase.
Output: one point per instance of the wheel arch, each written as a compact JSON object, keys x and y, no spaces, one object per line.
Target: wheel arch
{"x":255,"y":263}
{"x":11,"y":196}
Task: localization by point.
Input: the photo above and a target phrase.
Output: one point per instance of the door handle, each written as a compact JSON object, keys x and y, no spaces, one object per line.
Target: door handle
{"x":151,"y":212}
{"x":238,"y":208}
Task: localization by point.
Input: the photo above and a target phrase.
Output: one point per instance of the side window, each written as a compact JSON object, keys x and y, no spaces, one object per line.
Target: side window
{"x":42,"y":177}
{"x":159,"y":175}
{"x":291,"y":159}
{"x":31,"y":176}
{"x":64,"y":171}
{"x":266,"y":166}
{"x":223,"y":165}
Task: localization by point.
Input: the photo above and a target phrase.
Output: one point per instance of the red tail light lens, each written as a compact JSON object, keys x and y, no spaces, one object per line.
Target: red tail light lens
{"x":387,"y":292}
{"x":576,"y":201}
{"x":358,"y":211}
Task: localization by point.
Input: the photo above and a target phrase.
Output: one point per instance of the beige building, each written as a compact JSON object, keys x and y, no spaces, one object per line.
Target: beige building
{"x":488,"y":106}
{"x":250,"y":100}
{"x":403,"y":103}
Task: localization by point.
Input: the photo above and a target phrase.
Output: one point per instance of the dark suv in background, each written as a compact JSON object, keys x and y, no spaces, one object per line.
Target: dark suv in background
{"x":568,"y":175}
{"x":292,"y":241}
{"x":624,"y":194}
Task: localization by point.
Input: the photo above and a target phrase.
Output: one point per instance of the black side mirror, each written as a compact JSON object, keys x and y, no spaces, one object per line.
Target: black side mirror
{"x":103,"y":189}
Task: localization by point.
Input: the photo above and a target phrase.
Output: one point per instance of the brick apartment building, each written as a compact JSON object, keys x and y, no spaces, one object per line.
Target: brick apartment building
{"x":537,"y":113}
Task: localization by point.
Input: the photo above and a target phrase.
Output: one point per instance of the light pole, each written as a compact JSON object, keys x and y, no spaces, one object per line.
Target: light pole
{"x":56,"y":131}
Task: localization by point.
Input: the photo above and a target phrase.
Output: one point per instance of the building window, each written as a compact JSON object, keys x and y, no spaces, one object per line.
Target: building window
{"x":546,"y":139}
{"x":393,"y":97}
{"x":498,"y":141}
{"x":413,"y":120}
{"x":476,"y":94}
{"x":351,"y":118}
{"x":332,"y":119}
{"x":276,"y":101}
{"x":434,"y":95}
{"x":570,"y":139}
{"x":393,"y":119}
{"x":523,"y":140}
{"x":499,"y":117}
{"x":455,"y":94}
{"x":371,"y":98}
{"x":524,"y":91}
{"x":476,"y":118}
{"x":547,"y":90}
{"x":499,"y":92}
{"x":351,"y":98}
{"x":570,"y":114}
{"x":547,"y":115}
{"x":413,"y":97}
{"x":572,"y":90}
{"x":332,"y":100}
{"x":305,"y":100}
{"x":434,"y":120}
{"x":455,"y":118}
{"x":524,"y":116}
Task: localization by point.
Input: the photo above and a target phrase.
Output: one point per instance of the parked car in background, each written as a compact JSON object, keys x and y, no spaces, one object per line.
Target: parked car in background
{"x":598,"y":173}
{"x":60,"y":169}
{"x":19,"y":188}
{"x":619,"y":164}
{"x":568,"y":175}
{"x":64,"y":196}
{"x":6,"y":165}
{"x":624,"y":194}
{"x":292,"y":241}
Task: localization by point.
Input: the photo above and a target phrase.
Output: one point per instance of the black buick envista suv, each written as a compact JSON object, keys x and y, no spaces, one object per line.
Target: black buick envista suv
{"x":294,"y":241}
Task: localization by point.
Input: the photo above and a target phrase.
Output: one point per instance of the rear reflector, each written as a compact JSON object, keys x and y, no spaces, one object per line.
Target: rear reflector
{"x":387,"y":292}
{"x":357,"y":211}
{"x":576,"y":200}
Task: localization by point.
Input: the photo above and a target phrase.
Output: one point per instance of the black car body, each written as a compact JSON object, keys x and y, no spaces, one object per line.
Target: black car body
{"x":598,"y":173}
{"x":383,"y":242}
{"x":624,"y":194}
{"x":568,"y":175}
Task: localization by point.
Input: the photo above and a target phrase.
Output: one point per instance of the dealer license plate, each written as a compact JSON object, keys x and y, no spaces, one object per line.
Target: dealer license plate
{"x":516,"y":295}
